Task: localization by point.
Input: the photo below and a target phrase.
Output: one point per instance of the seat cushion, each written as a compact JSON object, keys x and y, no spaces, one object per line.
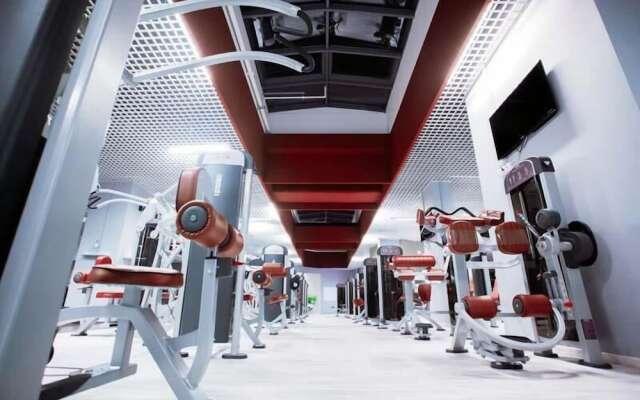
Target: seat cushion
{"x":132,"y":275}
{"x":277,"y":299}
{"x":408,"y":262}
{"x":461,"y":238}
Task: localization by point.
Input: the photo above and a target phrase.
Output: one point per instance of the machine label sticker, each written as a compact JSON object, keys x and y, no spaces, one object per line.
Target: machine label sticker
{"x":589,"y":329}
{"x":217,"y":190}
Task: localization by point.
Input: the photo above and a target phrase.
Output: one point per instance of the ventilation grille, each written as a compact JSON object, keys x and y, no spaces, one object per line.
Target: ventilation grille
{"x":326,"y":217}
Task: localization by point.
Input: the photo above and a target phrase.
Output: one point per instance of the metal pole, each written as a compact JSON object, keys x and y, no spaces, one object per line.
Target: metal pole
{"x":234,"y":352}
{"x":381,"y":321}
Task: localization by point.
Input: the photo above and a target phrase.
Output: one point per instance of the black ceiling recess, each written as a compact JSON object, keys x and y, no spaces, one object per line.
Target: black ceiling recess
{"x":356,"y":46}
{"x":326,"y":217}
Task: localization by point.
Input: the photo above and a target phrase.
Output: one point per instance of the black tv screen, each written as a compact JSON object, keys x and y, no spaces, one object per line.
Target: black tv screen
{"x":526,"y":109}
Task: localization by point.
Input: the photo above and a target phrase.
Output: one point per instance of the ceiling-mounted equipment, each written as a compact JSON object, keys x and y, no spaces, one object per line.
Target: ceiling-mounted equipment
{"x":356,"y":47}
{"x":278,"y":6}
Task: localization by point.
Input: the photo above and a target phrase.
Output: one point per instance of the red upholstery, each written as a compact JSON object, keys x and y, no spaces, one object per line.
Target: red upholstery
{"x":358,"y":302}
{"x":275,"y":270}
{"x":102,"y":260}
{"x":233,"y":244}
{"x":406,"y":276}
{"x":404,"y":262}
{"x":461,"y":237}
{"x":512,"y":238}
{"x":475,"y":221}
{"x":131,"y":275}
{"x":187,"y":186}
{"x":493,"y":216}
{"x":424,"y":292}
{"x":436,"y":275}
{"x":495,"y":295}
{"x":277,"y":299}
{"x":109,"y":295}
{"x":420,"y":216}
{"x":532,"y":305}
{"x":480,"y":307}
{"x":213,"y":233}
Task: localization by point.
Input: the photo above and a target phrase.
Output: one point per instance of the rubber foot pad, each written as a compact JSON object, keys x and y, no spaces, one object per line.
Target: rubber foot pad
{"x":503,"y":365}
{"x":229,"y":356}
{"x":595,"y":365}
{"x":259,"y":346}
{"x":454,"y":351}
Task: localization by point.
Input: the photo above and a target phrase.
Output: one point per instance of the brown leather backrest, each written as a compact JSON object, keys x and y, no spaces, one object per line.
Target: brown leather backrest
{"x":187,"y":186}
{"x":512,"y":238}
{"x":462,"y":238}
{"x":424,"y":292}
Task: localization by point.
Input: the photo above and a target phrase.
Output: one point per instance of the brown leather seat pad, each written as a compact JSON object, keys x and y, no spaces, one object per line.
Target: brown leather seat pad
{"x":462,"y":238}
{"x":139,"y":276}
{"x":407,"y":262}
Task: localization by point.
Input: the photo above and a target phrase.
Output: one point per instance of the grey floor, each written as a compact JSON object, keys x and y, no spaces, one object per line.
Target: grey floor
{"x":331,"y":358}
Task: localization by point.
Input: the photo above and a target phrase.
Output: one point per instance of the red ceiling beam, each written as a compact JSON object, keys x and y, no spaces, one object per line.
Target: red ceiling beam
{"x":325,"y":259}
{"x":326,"y":159}
{"x":327,"y":233}
{"x":327,"y":194}
{"x":318,"y":160}
{"x":328,"y":206}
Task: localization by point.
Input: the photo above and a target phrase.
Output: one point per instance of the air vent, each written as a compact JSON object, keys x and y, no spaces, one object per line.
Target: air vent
{"x":326,"y":217}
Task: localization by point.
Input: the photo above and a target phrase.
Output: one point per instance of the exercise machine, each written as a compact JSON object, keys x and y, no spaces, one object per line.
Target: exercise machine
{"x":557,"y":252}
{"x":199,"y":222}
{"x":389,"y":290}
{"x":504,"y":351}
{"x":405,"y":269}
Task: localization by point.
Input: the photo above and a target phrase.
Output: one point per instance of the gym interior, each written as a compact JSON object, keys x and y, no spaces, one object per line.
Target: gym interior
{"x":319,"y":199}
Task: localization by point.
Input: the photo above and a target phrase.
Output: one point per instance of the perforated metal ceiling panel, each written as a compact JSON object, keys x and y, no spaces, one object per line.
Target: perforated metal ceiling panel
{"x":444,"y":149}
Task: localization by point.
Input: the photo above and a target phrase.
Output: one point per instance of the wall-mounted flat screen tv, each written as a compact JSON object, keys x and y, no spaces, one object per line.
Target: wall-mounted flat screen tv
{"x":526,"y":109}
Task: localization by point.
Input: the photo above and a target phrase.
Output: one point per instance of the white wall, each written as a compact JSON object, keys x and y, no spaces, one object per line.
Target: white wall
{"x":328,"y":293}
{"x":622,"y":21}
{"x":315,"y":287}
{"x":594,"y":142}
